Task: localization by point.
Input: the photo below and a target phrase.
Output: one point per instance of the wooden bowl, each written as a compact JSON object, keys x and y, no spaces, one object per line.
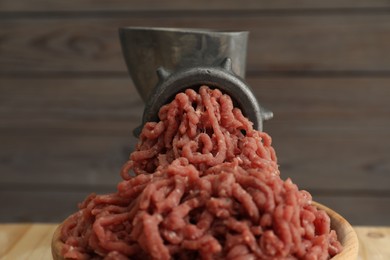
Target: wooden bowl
{"x":57,"y":244}
{"x":345,"y":233}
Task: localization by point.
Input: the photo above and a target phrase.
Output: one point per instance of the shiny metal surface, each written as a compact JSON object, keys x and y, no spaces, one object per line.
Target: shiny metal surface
{"x":188,"y":58}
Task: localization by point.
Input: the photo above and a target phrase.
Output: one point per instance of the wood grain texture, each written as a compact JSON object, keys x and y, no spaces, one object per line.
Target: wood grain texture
{"x":67,"y":105}
{"x":25,"y":241}
{"x":358,"y":209}
{"x":349,"y":43}
{"x":139,"y":5}
{"x":329,"y":134}
{"x":373,"y":242}
{"x":70,"y":105}
{"x":44,"y":204}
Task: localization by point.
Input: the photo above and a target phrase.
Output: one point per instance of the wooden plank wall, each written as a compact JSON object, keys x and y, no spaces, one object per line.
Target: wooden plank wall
{"x":67,"y":104}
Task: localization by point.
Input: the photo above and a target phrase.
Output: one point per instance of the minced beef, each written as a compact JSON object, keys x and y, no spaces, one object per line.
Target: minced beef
{"x":201,"y":184}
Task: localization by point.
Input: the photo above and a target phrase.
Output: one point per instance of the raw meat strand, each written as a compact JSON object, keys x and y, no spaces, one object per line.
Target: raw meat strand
{"x":150,"y":233}
{"x":248,"y":181}
{"x":171,"y":123}
{"x":237,"y":251}
{"x":153,"y":130}
{"x":110,"y":244}
{"x":175,"y":219}
{"x":221,"y":208}
{"x":248,"y":238}
{"x":195,"y":157}
{"x":146,"y":195}
{"x":177,"y":138}
{"x":174,"y":197}
{"x":227,"y":114}
{"x":221,"y":143}
{"x":133,"y":186}
{"x":206,"y":185}
{"x":246,"y":200}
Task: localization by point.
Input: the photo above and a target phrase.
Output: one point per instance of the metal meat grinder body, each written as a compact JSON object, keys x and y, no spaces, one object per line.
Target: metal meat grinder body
{"x":188,"y":58}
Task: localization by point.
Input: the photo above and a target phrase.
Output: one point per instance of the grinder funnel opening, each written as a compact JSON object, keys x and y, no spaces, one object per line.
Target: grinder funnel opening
{"x":146,"y":49}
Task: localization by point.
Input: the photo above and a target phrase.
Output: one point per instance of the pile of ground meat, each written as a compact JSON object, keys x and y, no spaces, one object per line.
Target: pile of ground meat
{"x":201,"y":184}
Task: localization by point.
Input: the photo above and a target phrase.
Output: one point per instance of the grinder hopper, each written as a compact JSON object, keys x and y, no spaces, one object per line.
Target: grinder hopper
{"x":188,"y":58}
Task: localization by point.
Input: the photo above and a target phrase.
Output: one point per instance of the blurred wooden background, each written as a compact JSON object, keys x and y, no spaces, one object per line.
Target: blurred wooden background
{"x":68,"y":106}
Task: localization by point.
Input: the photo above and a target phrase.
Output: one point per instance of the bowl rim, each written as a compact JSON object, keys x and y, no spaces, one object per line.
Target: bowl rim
{"x":345,"y":234}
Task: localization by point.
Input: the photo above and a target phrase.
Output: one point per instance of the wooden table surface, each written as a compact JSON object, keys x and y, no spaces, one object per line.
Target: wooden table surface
{"x":32,"y":241}
{"x":322,"y":68}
